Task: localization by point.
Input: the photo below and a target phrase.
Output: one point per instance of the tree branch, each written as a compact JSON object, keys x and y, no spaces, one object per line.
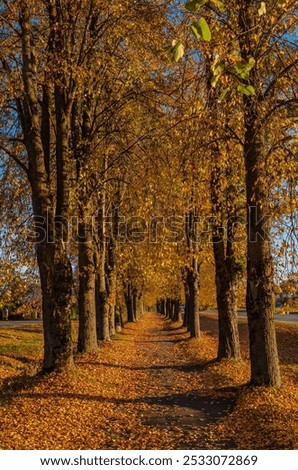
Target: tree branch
{"x":14,"y":157}
{"x":277,"y":77}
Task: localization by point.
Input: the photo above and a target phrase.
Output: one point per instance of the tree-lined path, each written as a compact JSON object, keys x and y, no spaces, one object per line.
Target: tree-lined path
{"x":148,"y":158}
{"x":150,"y":388}
{"x":171,"y":395}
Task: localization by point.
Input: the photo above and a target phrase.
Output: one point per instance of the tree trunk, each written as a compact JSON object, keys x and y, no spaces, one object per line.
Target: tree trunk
{"x":81,"y":125}
{"x":228,"y":334}
{"x":168,"y":308}
{"x":112,"y":320}
{"x":128,"y":294}
{"x":140,"y":305}
{"x":192,"y":274}
{"x":163,"y":307}
{"x":102,"y":305}
{"x":172,"y":309}
{"x":193,"y":303}
{"x":112,"y":291}
{"x":226,"y":273}
{"x":260,"y":296}
{"x":61,"y":301}
{"x":56,"y":285}
{"x":101,"y":297}
{"x":87,"y":341}
{"x":135,"y":303}
{"x":118,"y":318}
{"x":186,"y":311}
{"x":112,"y":261}
{"x":224,"y":200}
{"x":51,"y":231}
{"x":177,"y":311}
{"x":45,"y":260}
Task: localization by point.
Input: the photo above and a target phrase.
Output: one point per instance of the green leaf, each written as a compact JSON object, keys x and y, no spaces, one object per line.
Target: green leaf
{"x":247,"y":90}
{"x":243,"y":68}
{"x":262,"y":10}
{"x":281,"y":3}
{"x":217,"y":66}
{"x":251,"y":63}
{"x":195,"y":29}
{"x":214,"y":80}
{"x":201,"y":29}
{"x":223,"y":95}
{"x":206,"y":33}
{"x":219,"y":4}
{"x":195,"y":5}
{"x":177,"y":50}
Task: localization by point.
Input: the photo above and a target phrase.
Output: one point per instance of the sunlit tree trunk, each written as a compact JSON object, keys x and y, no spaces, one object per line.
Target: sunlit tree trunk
{"x":81,"y":140}
{"x":102,"y":305}
{"x":51,"y":223}
{"x":226,"y":271}
{"x":87,"y":340}
{"x":111,"y":285}
{"x":260,"y":296}
{"x":118,"y":318}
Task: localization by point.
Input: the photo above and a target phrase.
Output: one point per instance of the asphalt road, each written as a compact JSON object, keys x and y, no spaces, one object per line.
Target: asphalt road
{"x":19,"y":323}
{"x":292,"y":317}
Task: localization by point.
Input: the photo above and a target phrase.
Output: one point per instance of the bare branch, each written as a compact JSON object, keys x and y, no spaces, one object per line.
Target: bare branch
{"x":14,"y":157}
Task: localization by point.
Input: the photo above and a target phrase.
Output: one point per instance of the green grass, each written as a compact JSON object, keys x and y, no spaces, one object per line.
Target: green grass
{"x":15,"y":342}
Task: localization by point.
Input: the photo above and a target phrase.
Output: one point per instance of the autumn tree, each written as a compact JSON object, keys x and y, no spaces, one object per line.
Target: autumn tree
{"x":260,"y":34}
{"x":227,"y":208}
{"x":41,"y":104}
{"x":69,"y":117}
{"x":257,"y":30}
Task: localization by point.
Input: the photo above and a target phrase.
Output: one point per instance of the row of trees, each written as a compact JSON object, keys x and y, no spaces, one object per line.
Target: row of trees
{"x":251,"y":40}
{"x":142,"y":173}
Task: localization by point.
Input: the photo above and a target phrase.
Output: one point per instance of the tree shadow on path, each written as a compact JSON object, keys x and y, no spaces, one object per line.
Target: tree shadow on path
{"x":189,"y":408}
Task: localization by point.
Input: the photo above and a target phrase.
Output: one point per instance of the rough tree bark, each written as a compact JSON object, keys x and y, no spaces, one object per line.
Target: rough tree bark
{"x":87,"y":340}
{"x":111,"y":284}
{"x":226,"y":270}
{"x":168,"y":307}
{"x":118,"y":318}
{"x":102,"y":305}
{"x":50,"y":224}
{"x":224,"y":199}
{"x":81,"y":142}
{"x":177,"y":311}
{"x":192,"y":274}
{"x":163,"y":307}
{"x":186,"y":311}
{"x":128,"y":295}
{"x":193,"y":300}
{"x":260,"y":296}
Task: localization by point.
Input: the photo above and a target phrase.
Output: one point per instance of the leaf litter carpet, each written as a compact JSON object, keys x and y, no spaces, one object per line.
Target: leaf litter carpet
{"x":149,"y":388}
